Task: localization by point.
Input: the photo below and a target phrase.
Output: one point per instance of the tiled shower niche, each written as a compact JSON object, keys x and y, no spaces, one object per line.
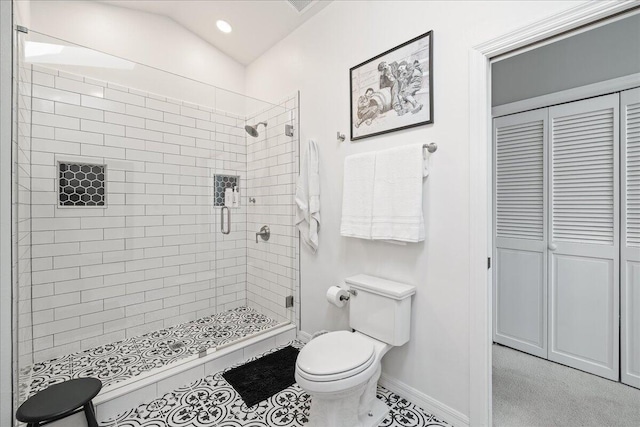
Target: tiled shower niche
{"x":221,"y":183}
{"x":81,"y":184}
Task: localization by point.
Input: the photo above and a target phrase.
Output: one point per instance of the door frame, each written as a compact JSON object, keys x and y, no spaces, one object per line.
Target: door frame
{"x":480,"y":209}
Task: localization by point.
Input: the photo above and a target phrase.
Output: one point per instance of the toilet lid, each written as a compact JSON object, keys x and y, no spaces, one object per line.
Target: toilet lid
{"x":336,"y":353}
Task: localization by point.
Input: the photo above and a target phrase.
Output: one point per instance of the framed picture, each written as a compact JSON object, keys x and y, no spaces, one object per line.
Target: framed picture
{"x":393,"y":90}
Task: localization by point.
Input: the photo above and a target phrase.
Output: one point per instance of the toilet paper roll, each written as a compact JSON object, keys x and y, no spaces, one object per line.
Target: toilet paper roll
{"x":333,"y":296}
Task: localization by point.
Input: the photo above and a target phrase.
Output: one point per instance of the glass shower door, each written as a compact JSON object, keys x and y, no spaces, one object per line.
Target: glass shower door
{"x":120,"y":172}
{"x":272,"y":169}
{"x":116,"y":162}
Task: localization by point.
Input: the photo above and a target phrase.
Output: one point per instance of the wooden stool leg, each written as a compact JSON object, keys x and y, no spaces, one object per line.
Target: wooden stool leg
{"x":90,"y":415}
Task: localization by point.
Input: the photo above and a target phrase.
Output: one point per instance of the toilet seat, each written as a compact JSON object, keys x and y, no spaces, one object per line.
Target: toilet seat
{"x":335,"y":356}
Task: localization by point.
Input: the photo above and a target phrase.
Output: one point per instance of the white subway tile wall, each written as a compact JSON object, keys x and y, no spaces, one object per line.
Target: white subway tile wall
{"x":272,"y":169}
{"x":24,"y":181}
{"x":153,"y":256}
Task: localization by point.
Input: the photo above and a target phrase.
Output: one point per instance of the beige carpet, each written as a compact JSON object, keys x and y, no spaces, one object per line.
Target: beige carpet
{"x":529,"y":391}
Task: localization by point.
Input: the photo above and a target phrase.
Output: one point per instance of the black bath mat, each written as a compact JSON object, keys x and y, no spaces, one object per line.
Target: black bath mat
{"x":262,"y":378}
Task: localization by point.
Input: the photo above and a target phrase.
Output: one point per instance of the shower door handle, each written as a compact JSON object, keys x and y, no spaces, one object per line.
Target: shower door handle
{"x":222,"y":220}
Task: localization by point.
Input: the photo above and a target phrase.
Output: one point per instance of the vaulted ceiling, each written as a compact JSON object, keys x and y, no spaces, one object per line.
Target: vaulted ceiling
{"x":257,"y":24}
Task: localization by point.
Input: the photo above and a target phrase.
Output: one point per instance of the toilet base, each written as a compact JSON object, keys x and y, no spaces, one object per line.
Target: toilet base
{"x":342,"y":417}
{"x":378,"y":412}
{"x":356,"y":407}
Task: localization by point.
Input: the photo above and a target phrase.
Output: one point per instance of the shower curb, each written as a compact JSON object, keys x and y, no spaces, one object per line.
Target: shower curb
{"x":134,"y":391}
{"x":120,"y":397}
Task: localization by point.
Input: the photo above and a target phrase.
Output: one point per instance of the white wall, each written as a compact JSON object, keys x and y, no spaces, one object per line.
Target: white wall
{"x":143,"y":37}
{"x":22,"y":12}
{"x":316,"y":59}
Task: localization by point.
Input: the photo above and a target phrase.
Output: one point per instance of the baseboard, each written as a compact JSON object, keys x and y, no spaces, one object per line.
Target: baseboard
{"x":429,"y":404}
{"x":304,"y":336}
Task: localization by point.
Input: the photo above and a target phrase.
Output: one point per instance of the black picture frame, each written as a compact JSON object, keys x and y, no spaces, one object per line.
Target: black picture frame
{"x":381,"y":106}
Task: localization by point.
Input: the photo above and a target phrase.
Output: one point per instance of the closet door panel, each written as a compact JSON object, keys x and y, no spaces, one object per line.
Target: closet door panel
{"x":630,"y":242}
{"x":520,"y":296}
{"x":631,"y":324}
{"x":582,"y":303}
{"x":584,"y":235}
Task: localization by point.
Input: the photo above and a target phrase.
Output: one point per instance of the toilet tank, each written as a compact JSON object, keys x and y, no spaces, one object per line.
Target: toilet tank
{"x":381,"y":309}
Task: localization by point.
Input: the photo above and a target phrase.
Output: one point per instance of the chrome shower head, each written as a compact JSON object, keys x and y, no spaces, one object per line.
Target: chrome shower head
{"x":253,"y":129}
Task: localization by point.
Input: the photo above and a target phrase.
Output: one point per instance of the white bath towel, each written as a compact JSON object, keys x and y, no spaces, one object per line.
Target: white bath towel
{"x":397,"y":194}
{"x":357,"y":195}
{"x":308,"y":196}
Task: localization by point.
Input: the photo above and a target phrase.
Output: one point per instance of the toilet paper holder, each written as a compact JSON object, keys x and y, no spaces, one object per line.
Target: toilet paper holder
{"x":351,"y":292}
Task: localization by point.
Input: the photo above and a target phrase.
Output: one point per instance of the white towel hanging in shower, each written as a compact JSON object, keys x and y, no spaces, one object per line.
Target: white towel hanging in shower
{"x":308,"y":196}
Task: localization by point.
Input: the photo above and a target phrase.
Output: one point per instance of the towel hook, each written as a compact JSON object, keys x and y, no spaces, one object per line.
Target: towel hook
{"x":341,"y":136}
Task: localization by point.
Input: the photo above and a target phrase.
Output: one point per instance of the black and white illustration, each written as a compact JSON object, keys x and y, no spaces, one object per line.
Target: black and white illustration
{"x":393,"y":90}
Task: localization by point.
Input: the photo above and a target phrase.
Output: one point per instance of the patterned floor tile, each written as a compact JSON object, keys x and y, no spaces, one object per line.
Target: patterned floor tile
{"x":211,"y":401}
{"x":109,"y":363}
{"x":404,"y":413}
{"x":45,"y":374}
{"x":118,"y":361}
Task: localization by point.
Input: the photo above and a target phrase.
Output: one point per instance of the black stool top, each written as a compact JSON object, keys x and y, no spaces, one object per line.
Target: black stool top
{"x":58,"y":400}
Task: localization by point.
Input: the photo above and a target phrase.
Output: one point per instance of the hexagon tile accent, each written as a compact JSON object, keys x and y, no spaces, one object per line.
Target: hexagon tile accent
{"x":81,"y":184}
{"x":220,"y":183}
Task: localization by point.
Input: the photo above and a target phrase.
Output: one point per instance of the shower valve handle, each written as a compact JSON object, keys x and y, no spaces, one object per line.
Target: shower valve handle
{"x":264,"y":232}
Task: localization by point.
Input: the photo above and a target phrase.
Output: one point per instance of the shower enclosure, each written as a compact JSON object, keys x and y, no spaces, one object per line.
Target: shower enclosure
{"x":123,"y":264}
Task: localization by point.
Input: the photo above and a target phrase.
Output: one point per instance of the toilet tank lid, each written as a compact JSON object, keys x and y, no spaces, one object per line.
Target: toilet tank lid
{"x":377,"y":285}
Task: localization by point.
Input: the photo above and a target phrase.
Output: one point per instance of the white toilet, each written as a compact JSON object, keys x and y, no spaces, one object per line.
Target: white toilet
{"x":340,"y":370}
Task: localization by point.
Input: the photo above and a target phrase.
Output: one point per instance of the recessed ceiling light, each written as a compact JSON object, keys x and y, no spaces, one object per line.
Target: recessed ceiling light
{"x":223,"y":26}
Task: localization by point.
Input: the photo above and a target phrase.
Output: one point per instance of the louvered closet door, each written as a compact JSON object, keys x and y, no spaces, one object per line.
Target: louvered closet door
{"x":584,"y":240}
{"x":520,"y":295}
{"x":630,"y":245}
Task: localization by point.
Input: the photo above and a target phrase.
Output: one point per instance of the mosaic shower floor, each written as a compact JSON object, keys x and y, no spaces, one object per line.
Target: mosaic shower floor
{"x":212,"y":402}
{"x":118,"y":361}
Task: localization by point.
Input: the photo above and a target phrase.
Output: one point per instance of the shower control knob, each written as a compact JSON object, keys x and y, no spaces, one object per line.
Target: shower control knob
{"x":264,"y":232}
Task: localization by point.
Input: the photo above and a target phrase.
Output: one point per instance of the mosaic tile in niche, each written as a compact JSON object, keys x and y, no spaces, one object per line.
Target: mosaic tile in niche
{"x":81,"y":184}
{"x":220,"y":183}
